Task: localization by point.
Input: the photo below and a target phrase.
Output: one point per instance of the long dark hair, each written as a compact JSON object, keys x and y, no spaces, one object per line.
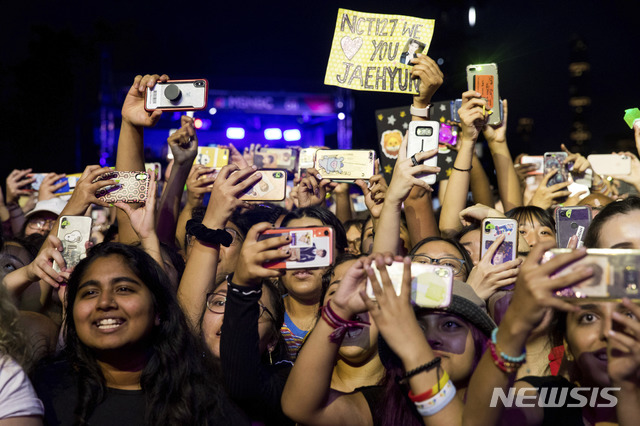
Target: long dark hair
{"x":178,"y":387}
{"x":592,"y":238}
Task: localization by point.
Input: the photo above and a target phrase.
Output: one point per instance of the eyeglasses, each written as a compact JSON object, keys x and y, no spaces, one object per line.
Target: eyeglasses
{"x":41,"y":223}
{"x":216,"y":303}
{"x":455,"y":263}
{"x":235,"y":235}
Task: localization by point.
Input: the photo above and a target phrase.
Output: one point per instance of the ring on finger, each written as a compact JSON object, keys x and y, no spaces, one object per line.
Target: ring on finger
{"x":413,"y":160}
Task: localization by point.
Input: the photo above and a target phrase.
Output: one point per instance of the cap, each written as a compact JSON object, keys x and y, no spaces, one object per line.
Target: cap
{"x":54,"y":205}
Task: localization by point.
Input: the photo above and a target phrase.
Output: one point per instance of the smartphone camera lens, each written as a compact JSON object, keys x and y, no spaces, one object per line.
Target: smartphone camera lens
{"x":326,"y":232}
{"x":199,"y":83}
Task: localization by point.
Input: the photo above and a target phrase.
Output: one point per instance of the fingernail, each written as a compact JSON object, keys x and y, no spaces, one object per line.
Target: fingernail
{"x":318,"y":176}
{"x":254,"y":167}
{"x":110,"y":205}
{"x":59,"y":279}
{"x":259,"y":174}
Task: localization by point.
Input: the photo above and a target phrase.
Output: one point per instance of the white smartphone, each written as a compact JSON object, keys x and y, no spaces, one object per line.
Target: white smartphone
{"x":177,"y":95}
{"x":423,"y":136}
{"x":74,"y":232}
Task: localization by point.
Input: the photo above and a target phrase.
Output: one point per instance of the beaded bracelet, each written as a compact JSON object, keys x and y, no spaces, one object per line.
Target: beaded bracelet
{"x":433,"y":391}
{"x":438,"y":402}
{"x":424,"y":367}
{"x":504,"y":362}
{"x":341,"y":325}
{"x":519,"y":359}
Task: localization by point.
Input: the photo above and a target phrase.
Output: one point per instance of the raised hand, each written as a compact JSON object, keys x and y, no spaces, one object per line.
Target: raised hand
{"x":228,"y":187}
{"x":85,"y":192}
{"x":199,"y":182}
{"x":430,"y":76}
{"x":17,"y":185}
{"x":313,"y":189}
{"x":133,"y":111}
{"x":143,"y":218}
{"x":48,"y":186}
{"x":473,"y":115}
{"x":486,"y":278}
{"x":184,"y":142}
{"x":405,"y":172}
{"x":545,"y":196}
{"x":497,"y":134}
{"x":374,"y":193}
{"x":249,"y":269}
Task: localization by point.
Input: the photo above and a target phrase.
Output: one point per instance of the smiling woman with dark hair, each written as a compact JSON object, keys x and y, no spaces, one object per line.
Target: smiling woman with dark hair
{"x":130,"y":357}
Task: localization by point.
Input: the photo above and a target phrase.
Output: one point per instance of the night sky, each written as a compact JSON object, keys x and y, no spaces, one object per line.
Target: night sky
{"x":52,"y":57}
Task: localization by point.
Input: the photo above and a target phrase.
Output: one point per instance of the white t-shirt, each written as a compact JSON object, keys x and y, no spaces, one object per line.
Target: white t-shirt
{"x":17,"y":397}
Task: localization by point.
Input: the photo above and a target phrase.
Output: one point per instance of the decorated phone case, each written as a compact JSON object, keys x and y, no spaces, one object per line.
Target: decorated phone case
{"x":272,"y":187}
{"x":555,"y":160}
{"x":345,"y":165}
{"x":310,"y":247}
{"x":132,"y":188}
{"x":74,"y":232}
{"x":430,"y":284}
{"x":306,"y":159}
{"x":572,"y":221}
{"x":492,"y":228}
{"x":71,"y":182}
{"x":212,"y":156}
{"x":616,"y":274}
{"x":177,"y":95}
{"x":276,"y":158}
{"x":483,"y":78}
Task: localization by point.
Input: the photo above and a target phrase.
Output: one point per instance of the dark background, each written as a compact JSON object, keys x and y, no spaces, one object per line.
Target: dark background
{"x":54,"y":59}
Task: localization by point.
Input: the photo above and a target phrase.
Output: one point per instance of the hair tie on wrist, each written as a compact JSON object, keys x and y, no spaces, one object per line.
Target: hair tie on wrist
{"x":341,"y":325}
{"x":208,"y":236}
{"x":463,"y":170}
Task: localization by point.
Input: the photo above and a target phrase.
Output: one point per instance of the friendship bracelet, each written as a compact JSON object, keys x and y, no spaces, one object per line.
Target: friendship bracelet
{"x":208,"y":236}
{"x":433,"y":391}
{"x":341,"y":325}
{"x":425,"y":367}
{"x":438,"y":402}
{"x":514,"y":359}
{"x":463,"y":170}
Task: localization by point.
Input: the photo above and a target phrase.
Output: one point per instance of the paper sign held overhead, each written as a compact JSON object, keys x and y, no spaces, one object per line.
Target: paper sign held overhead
{"x":372,"y":51}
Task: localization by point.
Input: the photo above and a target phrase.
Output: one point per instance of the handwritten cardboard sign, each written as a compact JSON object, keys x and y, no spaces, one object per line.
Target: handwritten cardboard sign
{"x":371,"y":51}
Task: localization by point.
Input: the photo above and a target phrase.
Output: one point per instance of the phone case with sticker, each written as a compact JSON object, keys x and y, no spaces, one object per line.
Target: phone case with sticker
{"x":572,"y":221}
{"x":306,"y":159}
{"x":74,"y":232}
{"x":555,"y":160}
{"x":483,"y":78}
{"x":310,"y":247}
{"x":492,"y":228}
{"x":345,"y":164}
{"x":272,"y":187}
{"x":212,"y":156}
{"x":431,"y":285}
{"x":177,"y":95}
{"x":132,"y":187}
{"x":276,"y":158}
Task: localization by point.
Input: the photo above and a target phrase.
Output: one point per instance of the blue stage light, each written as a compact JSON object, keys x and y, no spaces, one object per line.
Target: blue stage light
{"x":235,"y":133}
{"x":272,"y":134}
{"x":292,"y":135}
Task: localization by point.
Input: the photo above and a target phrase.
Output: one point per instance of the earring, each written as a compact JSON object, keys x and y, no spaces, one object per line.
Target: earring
{"x":270,"y":359}
{"x":569,"y":356}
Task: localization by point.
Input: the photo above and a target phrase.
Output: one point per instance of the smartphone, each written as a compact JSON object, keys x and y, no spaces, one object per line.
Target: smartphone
{"x":212,"y":156}
{"x":572,"y":221}
{"x":538,"y":160}
{"x":74,"y":232}
{"x":492,"y":228}
{"x":430,"y":284}
{"x":616,"y":274}
{"x":272,"y":186}
{"x":156,"y":167}
{"x":310,"y":247}
{"x":345,"y":164}
{"x":177,"y":95}
{"x":423,"y":136}
{"x":276,"y":158}
{"x":306,"y":159}
{"x":483,"y":78}
{"x":132,"y":188}
{"x":555,"y":160}
{"x":610,"y":164}
{"x":70,"y":185}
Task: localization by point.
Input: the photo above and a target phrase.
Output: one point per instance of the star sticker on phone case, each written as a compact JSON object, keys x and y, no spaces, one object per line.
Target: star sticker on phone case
{"x":391,"y":120}
{"x":388,"y":169}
